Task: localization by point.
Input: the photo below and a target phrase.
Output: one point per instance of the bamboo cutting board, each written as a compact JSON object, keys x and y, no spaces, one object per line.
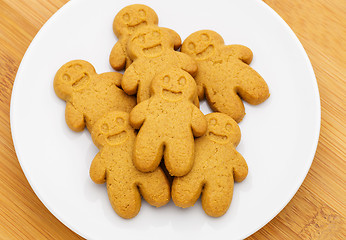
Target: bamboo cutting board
{"x":317,"y":211}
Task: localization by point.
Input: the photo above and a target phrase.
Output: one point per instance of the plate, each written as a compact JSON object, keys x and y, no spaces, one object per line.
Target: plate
{"x":279,"y":137}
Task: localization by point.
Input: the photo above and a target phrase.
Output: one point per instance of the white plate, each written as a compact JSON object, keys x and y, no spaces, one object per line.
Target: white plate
{"x":279,"y":137}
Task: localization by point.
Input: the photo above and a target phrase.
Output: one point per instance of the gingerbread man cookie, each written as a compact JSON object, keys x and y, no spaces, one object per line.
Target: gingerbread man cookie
{"x":217,"y":165}
{"x":224,"y":75}
{"x":168,"y":122}
{"x":89,"y":95}
{"x":152,"y":50}
{"x":128,"y":21}
{"x":115,"y":138}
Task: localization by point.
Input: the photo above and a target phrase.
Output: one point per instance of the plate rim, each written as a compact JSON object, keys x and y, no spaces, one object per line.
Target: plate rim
{"x":316,"y":102}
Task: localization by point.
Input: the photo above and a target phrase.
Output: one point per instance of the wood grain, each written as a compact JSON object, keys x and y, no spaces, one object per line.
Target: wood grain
{"x":317,"y":211}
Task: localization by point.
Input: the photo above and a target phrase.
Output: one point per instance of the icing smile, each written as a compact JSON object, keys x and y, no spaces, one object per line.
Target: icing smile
{"x":81,"y":82}
{"x":171,"y":95}
{"x":206,"y":52}
{"x":117,"y":138}
{"x":153,"y":50}
{"x":134,"y":27}
{"x":217,"y":137}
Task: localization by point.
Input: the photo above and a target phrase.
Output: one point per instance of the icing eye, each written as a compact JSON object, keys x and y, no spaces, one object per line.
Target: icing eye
{"x":212,"y":122}
{"x":104,"y":127}
{"x":205,"y":37}
{"x":141,"y":13}
{"x":66,"y":77}
{"x":182,"y":81}
{"x":166,"y":79}
{"x":228,"y":127}
{"x":126,"y":17}
{"x":77,"y":66}
{"x":120,"y":121}
{"x":191,"y":46}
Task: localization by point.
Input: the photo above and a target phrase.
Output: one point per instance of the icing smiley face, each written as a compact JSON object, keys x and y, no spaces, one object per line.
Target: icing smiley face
{"x":202,"y":44}
{"x":112,"y":130}
{"x":174,"y":85}
{"x":150,"y":41}
{"x":76,"y":77}
{"x":73,"y":76}
{"x":222,"y":129}
{"x":133,"y":17}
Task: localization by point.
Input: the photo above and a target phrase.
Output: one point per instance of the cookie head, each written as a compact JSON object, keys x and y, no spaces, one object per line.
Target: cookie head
{"x":222,"y":129}
{"x":202,"y":45}
{"x":133,"y":17}
{"x":71,"y":77}
{"x":174,"y":85}
{"x":149,"y":41}
{"x":113,"y":129}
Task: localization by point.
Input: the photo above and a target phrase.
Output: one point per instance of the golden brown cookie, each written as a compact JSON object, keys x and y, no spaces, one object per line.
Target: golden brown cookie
{"x":115,"y":138}
{"x":217,"y":165}
{"x":168,"y":122}
{"x":126,"y":22}
{"x":152,"y":50}
{"x":89,"y":95}
{"x":224,"y":75}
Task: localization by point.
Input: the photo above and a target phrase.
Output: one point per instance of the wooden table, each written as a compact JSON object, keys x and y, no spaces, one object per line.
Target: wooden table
{"x":317,"y":210}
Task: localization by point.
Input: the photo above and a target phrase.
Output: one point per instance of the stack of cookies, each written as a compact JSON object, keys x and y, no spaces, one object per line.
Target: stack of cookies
{"x":147,"y":122}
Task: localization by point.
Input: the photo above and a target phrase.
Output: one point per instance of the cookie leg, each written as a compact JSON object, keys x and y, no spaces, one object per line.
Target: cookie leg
{"x":154,"y":188}
{"x":147,"y":152}
{"x":227,"y":102}
{"x":179,"y":156}
{"x":186,"y":190}
{"x":125,"y":198}
{"x":217,"y":196}
{"x":74,"y":118}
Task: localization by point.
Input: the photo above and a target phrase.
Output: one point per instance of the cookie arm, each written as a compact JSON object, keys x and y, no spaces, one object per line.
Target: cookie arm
{"x":200,"y":91}
{"x":187,"y":63}
{"x":196,"y":101}
{"x":198,"y":123}
{"x":239,"y":51}
{"x":98,"y":169}
{"x":130,"y":80}
{"x":175,"y":36}
{"x":138,"y":114}
{"x":117,"y":58}
{"x":240,"y":168}
{"x":74,"y":118}
{"x":113,"y":77}
{"x":252,"y":88}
